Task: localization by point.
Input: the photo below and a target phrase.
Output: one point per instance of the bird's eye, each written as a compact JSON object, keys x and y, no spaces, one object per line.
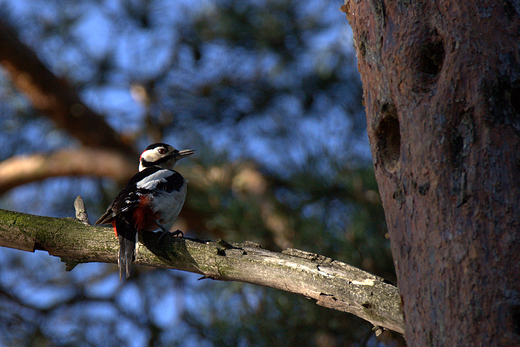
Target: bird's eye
{"x":162,"y":150}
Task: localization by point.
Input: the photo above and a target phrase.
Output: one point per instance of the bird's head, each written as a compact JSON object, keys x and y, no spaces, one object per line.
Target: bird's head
{"x":162,"y":155}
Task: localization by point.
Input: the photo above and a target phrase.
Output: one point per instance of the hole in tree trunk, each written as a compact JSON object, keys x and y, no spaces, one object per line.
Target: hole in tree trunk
{"x":388,"y":138}
{"x":431,"y":56}
{"x":429,"y":59}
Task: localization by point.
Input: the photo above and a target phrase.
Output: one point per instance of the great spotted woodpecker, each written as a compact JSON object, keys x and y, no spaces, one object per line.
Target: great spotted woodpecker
{"x":151,"y":200}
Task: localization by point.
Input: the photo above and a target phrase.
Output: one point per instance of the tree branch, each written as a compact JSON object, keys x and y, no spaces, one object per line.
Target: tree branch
{"x":331,"y":283}
{"x":24,"y":169}
{"x":54,"y":96}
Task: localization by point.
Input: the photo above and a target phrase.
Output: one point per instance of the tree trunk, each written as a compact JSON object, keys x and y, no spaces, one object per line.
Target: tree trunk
{"x":441,"y":84}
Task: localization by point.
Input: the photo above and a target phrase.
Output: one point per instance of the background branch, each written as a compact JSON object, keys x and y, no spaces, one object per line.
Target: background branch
{"x":24,"y":169}
{"x":331,"y":283}
{"x":54,"y":97}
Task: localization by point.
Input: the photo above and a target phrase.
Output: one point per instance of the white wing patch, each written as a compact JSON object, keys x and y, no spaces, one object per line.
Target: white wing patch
{"x":151,"y":181}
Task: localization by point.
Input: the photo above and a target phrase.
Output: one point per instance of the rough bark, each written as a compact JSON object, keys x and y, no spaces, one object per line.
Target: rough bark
{"x":331,"y":283}
{"x":441,"y":83}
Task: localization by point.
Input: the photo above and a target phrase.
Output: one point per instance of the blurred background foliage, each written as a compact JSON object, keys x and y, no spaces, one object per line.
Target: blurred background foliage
{"x":268,"y":93}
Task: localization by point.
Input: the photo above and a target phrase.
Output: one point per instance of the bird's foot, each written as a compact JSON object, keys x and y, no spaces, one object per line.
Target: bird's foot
{"x":178,"y":233}
{"x":165,"y":232}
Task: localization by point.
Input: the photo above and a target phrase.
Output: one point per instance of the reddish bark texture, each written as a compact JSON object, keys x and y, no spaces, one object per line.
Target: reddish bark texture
{"x":441,"y":84}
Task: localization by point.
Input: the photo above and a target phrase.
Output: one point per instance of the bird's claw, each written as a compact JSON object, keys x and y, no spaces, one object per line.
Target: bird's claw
{"x":165,"y":232}
{"x":178,"y":233}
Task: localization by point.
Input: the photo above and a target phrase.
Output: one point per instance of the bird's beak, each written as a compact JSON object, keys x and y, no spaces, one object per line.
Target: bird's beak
{"x":183,"y":153}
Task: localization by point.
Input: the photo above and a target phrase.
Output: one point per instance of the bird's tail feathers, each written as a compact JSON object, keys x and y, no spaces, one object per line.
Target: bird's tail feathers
{"x":127,"y":235}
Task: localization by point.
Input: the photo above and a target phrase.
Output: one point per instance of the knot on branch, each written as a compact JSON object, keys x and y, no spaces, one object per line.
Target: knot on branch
{"x":81,"y":212}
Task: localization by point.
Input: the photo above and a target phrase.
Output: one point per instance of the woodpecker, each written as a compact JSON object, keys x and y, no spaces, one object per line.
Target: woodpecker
{"x":151,"y":201}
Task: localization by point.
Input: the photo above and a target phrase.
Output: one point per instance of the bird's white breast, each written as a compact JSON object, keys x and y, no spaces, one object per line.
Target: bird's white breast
{"x":169,"y":205}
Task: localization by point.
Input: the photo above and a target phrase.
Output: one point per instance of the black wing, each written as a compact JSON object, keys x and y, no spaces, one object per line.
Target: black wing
{"x":150,"y":181}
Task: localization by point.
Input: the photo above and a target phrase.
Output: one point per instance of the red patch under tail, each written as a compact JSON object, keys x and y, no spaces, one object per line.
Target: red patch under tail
{"x":114,"y":226}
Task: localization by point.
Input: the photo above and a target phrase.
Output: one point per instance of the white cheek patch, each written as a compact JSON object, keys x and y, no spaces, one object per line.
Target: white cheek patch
{"x":150,"y":182}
